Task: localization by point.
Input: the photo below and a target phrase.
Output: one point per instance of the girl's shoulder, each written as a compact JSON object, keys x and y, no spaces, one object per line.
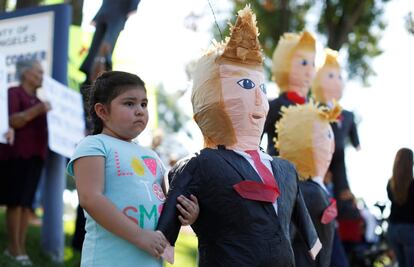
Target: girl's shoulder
{"x":91,"y":145}
{"x":91,"y":140}
{"x":102,"y":140}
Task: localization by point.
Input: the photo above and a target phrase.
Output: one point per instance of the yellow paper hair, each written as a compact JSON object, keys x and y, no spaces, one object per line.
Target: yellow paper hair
{"x":241,"y":48}
{"x":288,"y":44}
{"x":295,"y":135}
{"x":243,"y":45}
{"x":331,"y":61}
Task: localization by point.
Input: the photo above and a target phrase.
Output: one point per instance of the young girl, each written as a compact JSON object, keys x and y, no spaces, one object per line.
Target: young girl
{"x":118,"y":181}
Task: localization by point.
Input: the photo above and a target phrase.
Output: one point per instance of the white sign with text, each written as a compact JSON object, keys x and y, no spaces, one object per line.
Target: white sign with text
{"x":27,"y":38}
{"x":4,"y":112}
{"x":65,"y":121}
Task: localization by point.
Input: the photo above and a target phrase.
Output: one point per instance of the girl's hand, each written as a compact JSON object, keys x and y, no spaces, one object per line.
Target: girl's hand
{"x":153,"y":242}
{"x":189,"y":209}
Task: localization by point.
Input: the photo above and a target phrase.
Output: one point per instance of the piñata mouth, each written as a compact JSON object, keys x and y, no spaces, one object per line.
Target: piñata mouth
{"x":257,"y":116}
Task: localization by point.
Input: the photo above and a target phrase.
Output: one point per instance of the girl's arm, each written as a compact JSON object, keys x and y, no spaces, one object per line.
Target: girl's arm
{"x":188,"y":208}
{"x":89,"y":173}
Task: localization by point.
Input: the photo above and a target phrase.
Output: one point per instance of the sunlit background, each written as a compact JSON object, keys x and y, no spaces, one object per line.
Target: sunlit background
{"x":158,"y":43}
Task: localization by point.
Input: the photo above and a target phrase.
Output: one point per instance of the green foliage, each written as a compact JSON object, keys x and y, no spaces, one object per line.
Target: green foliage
{"x":275,"y":18}
{"x":357,"y":26}
{"x":77,"y":39}
{"x":352,"y":25}
{"x":38,"y":257}
{"x":170,"y":116}
{"x":185,"y":250}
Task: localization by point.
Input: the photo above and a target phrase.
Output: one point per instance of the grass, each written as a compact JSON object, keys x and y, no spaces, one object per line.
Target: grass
{"x":185,"y":251}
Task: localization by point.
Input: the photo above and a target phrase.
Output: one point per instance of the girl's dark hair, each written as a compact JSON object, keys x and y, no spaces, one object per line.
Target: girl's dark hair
{"x":107,"y":87}
{"x":402,"y":175}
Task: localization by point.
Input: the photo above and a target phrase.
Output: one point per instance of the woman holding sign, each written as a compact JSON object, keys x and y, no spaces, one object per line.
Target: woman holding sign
{"x":28,"y":118}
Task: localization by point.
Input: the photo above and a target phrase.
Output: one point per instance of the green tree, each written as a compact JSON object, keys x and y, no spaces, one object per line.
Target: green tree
{"x":353,"y":25}
{"x":3,"y":5}
{"x":171,"y":118}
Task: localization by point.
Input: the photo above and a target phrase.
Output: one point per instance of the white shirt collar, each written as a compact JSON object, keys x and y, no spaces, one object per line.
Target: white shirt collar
{"x":319,"y":181}
{"x":263,"y":156}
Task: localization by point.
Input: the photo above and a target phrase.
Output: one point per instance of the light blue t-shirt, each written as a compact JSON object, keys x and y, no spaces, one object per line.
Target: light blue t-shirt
{"x":133,"y":176}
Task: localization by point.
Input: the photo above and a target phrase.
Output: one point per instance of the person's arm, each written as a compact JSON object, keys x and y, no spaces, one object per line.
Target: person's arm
{"x":188,"y":208}
{"x":182,"y":178}
{"x":89,"y":173}
{"x":20,"y":119}
{"x":304,"y":225}
{"x":353,"y":134}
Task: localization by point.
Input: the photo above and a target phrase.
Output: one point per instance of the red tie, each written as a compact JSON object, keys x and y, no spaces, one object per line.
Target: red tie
{"x":330,"y":212}
{"x":263,"y":171}
{"x":268,"y":192}
{"x":295,"y":97}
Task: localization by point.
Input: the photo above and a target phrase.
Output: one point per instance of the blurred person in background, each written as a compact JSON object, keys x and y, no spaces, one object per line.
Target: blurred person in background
{"x":27,"y":115}
{"x":109,"y":22}
{"x":400,"y":190}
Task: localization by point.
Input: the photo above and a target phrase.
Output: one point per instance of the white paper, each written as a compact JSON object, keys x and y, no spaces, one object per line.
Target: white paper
{"x":66,"y":124}
{"x":4,"y":112}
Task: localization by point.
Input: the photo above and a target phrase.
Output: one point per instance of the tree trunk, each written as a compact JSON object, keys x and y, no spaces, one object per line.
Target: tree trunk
{"x":3,"y":5}
{"x":338,"y":32}
{"x":27,"y":3}
{"x":284,"y":16}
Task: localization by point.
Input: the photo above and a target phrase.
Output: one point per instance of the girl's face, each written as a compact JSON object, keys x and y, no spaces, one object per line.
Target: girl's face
{"x":127,"y":115}
{"x":302,"y":71}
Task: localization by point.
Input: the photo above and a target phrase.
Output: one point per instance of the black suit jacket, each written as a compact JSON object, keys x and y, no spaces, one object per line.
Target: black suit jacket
{"x":274,"y":116}
{"x":343,"y":130}
{"x":317,"y":200}
{"x":231,"y":230}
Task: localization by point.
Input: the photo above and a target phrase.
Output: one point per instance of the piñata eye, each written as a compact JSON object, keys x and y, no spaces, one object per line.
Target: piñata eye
{"x":329,"y":135}
{"x":246,"y":83}
{"x":263,"y":88}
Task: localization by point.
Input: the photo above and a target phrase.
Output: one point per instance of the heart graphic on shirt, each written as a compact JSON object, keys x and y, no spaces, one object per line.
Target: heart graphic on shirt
{"x":151,"y":164}
{"x":137,"y":167}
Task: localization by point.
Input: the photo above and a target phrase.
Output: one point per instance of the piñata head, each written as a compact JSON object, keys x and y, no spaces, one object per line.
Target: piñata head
{"x":305,"y":138}
{"x":293,"y":65}
{"x":228,"y":96}
{"x":328,"y":84}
